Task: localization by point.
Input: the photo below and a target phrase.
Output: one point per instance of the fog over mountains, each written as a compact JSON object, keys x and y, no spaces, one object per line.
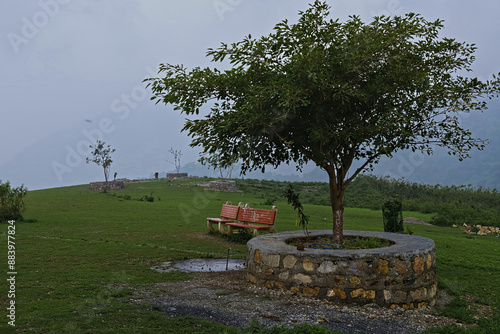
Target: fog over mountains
{"x":142,"y":146}
{"x":72,"y":72}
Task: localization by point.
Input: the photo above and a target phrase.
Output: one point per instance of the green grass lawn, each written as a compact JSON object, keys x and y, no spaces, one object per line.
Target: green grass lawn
{"x":77,"y":244}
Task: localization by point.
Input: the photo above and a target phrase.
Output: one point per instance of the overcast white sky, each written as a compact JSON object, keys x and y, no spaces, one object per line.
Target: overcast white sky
{"x":65,"y":61}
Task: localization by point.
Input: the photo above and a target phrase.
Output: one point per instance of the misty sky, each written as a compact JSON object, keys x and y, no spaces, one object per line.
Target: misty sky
{"x":67,"y":61}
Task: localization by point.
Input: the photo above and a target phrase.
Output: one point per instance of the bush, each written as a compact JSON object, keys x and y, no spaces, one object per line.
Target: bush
{"x":449,"y":214}
{"x":11,"y":201}
{"x":392,"y":212}
{"x":147,"y":198}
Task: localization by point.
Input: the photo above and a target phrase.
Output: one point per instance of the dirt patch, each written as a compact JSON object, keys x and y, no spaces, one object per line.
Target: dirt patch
{"x":413,"y":220}
{"x":228,"y":298}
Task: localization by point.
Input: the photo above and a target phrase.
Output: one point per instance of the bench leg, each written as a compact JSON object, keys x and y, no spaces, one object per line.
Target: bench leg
{"x":221,"y":228}
{"x":255,"y":232}
{"x":230,"y":231}
{"x":209,"y":225}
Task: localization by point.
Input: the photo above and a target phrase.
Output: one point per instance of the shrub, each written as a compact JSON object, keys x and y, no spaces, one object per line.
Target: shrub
{"x":449,"y":214}
{"x":147,"y":198}
{"x":11,"y":201}
{"x":392,"y":212}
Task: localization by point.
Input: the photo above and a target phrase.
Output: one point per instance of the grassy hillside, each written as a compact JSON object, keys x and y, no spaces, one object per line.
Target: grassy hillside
{"x":77,"y":245}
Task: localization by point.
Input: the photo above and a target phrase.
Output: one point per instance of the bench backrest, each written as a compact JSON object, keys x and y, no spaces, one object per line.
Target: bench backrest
{"x":260,"y":216}
{"x":230,"y":211}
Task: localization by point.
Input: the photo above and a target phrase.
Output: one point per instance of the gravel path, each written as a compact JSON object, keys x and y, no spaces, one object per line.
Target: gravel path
{"x":227,"y":298}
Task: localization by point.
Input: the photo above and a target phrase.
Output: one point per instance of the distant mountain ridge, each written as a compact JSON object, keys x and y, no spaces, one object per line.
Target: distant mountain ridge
{"x":143,"y":140}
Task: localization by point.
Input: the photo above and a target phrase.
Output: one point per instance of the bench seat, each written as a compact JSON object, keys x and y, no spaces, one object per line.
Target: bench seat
{"x":256,"y":219}
{"x":229,"y":214}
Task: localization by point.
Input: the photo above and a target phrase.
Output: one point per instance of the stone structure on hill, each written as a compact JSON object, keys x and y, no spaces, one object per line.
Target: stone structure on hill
{"x":222,"y":185}
{"x":111,"y":185}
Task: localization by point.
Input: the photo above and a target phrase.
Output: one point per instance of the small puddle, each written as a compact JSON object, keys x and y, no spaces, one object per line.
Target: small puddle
{"x":201,"y":265}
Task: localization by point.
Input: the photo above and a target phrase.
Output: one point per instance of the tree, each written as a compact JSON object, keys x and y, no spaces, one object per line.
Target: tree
{"x":332,"y":93}
{"x":214,"y":161}
{"x":177,"y":159}
{"x":101,"y":156}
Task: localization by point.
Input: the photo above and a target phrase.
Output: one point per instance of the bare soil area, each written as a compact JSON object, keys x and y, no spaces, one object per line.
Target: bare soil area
{"x":228,"y":298}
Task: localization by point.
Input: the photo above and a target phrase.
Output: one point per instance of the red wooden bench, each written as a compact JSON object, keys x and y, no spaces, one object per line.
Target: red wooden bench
{"x":229,"y":213}
{"x":256,"y":219}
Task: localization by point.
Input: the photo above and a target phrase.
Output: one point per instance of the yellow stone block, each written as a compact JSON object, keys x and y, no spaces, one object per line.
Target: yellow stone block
{"x":370,"y":294}
{"x":387,"y":295}
{"x":401,"y":267}
{"x":418,"y":265}
{"x":252,"y":278}
{"x":354,"y":280}
{"x":416,"y":294}
{"x":271,"y":260}
{"x":433,"y":290}
{"x":289,"y":261}
{"x":360,"y":293}
{"x":257,"y":256}
{"x":339,"y":280}
{"x":383,"y":267}
{"x":311,"y":291}
{"x":304,"y":279}
{"x":339,"y":293}
{"x":429,"y":261}
{"x":280,"y":285}
{"x":307,"y":265}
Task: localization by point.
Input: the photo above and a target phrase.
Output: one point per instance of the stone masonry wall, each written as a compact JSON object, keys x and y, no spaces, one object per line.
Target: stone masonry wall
{"x":177,"y":175}
{"x":111,"y":185}
{"x":223,"y":185}
{"x":389,"y":278}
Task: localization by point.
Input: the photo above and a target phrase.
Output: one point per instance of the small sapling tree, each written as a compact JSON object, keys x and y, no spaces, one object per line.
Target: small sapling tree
{"x":177,"y":159}
{"x":101,"y":156}
{"x":332,"y":93}
{"x":215,"y":162}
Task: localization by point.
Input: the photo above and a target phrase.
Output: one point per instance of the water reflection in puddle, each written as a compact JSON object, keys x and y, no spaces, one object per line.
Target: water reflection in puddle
{"x":201,"y":265}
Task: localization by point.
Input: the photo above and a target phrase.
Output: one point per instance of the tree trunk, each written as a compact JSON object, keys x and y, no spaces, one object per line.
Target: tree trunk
{"x":336,"y":194}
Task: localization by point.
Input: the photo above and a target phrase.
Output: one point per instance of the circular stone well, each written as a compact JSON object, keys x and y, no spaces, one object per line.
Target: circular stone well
{"x":401,"y":275}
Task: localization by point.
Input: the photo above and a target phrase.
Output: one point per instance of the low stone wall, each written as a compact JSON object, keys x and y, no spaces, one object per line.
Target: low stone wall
{"x":401,"y":275}
{"x":111,"y":185}
{"x":177,"y":175}
{"x":223,"y":185}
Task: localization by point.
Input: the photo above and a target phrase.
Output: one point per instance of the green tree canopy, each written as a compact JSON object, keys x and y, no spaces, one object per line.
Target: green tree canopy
{"x":331,"y":92}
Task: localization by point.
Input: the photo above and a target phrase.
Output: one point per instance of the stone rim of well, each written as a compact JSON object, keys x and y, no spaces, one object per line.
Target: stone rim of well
{"x":276,"y":243}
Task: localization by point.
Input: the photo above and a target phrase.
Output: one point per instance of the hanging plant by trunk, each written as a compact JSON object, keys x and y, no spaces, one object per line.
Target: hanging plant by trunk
{"x":293,"y":199}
